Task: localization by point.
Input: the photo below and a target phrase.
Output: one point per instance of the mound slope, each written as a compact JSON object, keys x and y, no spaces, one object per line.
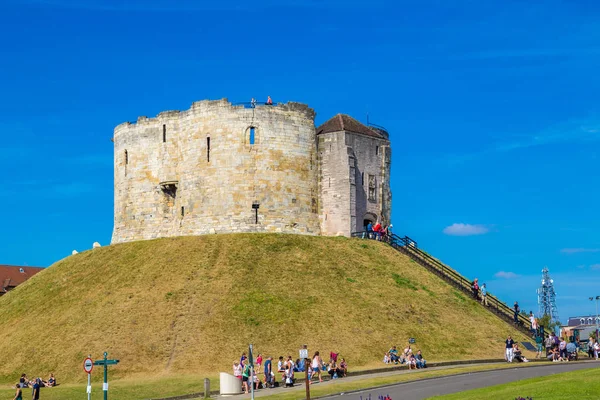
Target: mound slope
{"x":192,"y":304}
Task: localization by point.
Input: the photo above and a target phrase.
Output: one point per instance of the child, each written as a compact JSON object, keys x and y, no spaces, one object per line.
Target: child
{"x":386,"y":358}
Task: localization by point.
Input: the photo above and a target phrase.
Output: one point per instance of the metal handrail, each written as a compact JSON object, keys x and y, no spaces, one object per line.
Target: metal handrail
{"x":411,"y":246}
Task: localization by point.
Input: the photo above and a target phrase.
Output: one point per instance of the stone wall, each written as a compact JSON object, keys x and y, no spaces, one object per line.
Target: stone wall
{"x":372,"y":194}
{"x":196,"y":172}
{"x":334,"y":183}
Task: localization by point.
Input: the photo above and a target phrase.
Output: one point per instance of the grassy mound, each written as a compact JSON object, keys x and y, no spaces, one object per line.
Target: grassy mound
{"x":192,"y":304}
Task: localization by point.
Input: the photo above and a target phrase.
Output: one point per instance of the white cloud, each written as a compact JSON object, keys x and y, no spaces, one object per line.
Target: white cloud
{"x":457,"y":229}
{"x":575,"y":250}
{"x":595,"y":267}
{"x":506,"y":275}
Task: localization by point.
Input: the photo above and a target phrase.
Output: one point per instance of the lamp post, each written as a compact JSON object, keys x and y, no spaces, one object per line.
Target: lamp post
{"x":592,"y":299}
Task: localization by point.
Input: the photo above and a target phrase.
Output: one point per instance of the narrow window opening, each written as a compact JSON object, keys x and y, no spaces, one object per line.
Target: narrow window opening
{"x":376,"y":150}
{"x":251,"y":139}
{"x":182,"y":211}
{"x":164,"y":134}
{"x":126,"y":157}
{"x":362,"y":178}
{"x":208,"y":149}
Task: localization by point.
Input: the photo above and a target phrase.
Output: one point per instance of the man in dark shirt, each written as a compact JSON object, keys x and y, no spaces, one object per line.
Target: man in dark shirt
{"x":516,"y":308}
{"x":509,"y":349}
{"x":268,"y":376}
{"x":36,"y":389}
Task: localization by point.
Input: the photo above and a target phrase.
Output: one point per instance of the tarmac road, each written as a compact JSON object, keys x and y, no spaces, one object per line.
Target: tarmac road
{"x":458,"y":383}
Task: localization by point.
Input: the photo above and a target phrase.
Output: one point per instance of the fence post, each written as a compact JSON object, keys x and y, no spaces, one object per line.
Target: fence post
{"x":206,"y":388}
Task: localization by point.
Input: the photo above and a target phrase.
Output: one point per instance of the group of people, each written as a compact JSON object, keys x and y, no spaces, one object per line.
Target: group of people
{"x":479,"y":292}
{"x":286,"y":369}
{"x":413,"y":361}
{"x":35,"y":384}
{"x":513,"y":352}
{"x":593,"y":348}
{"x":377,"y":231}
{"x":269,"y":102}
{"x":557,"y":349}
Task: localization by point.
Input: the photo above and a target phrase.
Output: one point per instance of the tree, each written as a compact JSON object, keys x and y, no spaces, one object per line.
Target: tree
{"x":548,"y":324}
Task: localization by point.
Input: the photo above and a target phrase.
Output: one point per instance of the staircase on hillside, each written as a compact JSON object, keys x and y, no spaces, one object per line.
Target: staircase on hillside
{"x":409,"y":247}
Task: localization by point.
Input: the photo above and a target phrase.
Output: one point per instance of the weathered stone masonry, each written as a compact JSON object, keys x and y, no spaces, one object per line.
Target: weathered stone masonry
{"x":200,"y":171}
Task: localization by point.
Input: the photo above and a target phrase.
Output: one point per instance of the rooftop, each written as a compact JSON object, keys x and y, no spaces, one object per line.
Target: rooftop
{"x":12,"y":276}
{"x":343,"y":122}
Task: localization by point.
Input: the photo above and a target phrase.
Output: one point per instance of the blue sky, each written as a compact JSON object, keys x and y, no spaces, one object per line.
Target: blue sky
{"x":492,"y":108}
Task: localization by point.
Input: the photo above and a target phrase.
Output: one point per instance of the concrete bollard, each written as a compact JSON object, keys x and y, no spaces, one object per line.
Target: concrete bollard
{"x":206,"y":388}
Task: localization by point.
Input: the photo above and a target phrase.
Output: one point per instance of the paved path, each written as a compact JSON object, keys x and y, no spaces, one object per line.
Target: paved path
{"x":423,"y":389}
{"x":300,"y":386}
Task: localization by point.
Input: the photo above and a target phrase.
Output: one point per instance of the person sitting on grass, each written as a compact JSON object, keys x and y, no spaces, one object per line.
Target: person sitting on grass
{"x":411,"y":361}
{"x":421,"y":363}
{"x":517,"y":355}
{"x":332,"y":369}
{"x":51,"y":381}
{"x":386,"y":358}
{"x":394,"y":355}
{"x":343,"y":368}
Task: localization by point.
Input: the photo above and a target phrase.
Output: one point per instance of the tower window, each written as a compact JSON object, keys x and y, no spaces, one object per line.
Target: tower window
{"x":251,"y":138}
{"x":126,"y":157}
{"x":164,"y":134}
{"x":182,"y":211}
{"x":376,"y":150}
{"x":208,"y":149}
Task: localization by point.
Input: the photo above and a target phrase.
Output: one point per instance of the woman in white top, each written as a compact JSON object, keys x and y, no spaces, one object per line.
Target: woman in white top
{"x":237,"y":370}
{"x":316,"y":364}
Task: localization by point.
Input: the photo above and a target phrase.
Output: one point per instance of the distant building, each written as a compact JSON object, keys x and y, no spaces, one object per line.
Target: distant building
{"x":580,"y":326}
{"x":12,"y":276}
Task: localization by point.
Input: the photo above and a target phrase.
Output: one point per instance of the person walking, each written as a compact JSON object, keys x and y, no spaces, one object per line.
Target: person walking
{"x":484,"y":301}
{"x":532,"y":322}
{"x":539,"y":343}
{"x":509,"y":349}
{"x":516,"y":315}
{"x":475,"y":289}
{"x":19,"y":392}
{"x":317,"y":364}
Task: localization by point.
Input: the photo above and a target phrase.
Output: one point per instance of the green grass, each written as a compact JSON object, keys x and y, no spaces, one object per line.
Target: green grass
{"x":191,"y":305}
{"x":578,"y":385}
{"x":140,"y":388}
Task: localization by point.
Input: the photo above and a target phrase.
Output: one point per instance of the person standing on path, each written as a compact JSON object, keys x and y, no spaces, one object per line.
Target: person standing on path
{"x":269,"y":372}
{"x":317,"y":364}
{"x":509,"y":349}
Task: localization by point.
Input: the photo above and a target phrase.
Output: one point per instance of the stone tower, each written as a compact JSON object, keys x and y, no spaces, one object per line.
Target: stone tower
{"x":354,"y":175}
{"x":222,"y":168}
{"x":203,"y":170}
